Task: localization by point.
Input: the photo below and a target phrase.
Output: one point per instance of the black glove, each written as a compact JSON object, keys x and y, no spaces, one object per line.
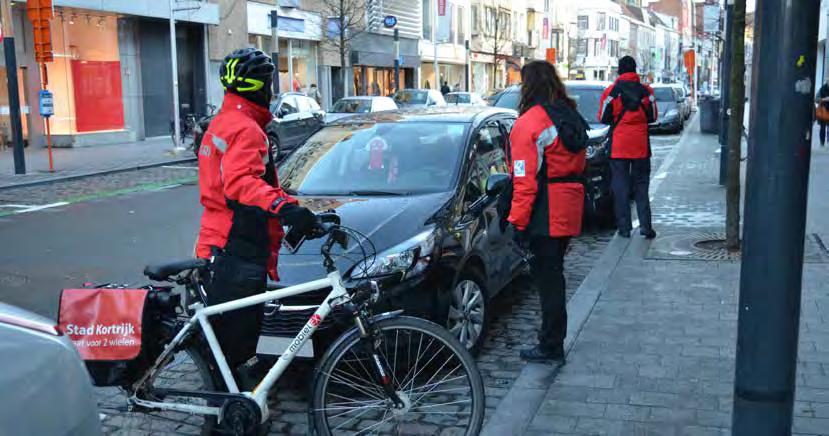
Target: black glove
{"x":521,"y":238}
{"x":301,"y":219}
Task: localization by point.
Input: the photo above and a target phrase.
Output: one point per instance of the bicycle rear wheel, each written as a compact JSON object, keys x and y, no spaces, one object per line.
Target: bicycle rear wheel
{"x":434,"y":376}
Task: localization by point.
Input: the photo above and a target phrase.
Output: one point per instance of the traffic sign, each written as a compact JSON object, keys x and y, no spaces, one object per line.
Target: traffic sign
{"x":389,"y":21}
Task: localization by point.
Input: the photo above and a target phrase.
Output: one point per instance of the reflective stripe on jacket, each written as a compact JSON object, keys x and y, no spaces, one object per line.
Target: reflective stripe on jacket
{"x":238,"y":186}
{"x":532,"y":139}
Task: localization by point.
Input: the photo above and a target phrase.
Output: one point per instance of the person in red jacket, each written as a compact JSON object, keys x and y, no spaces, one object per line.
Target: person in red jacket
{"x":628,"y":106}
{"x":244,"y":206}
{"x":547,"y":198}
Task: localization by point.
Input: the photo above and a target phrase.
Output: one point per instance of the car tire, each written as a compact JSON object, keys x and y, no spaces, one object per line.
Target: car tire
{"x":467,"y":314}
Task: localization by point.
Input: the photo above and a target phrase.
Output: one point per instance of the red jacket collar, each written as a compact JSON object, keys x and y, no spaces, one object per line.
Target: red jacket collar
{"x":261,"y":115}
{"x":628,"y":77}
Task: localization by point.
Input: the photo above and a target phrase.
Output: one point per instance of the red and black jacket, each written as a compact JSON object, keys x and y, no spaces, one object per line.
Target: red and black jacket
{"x":629,"y":139}
{"x":558,"y":195}
{"x":238,"y":186}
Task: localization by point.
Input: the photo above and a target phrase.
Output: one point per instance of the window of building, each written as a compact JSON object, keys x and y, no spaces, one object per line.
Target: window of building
{"x":583,"y":22}
{"x":614,"y":49}
{"x":461,"y":27}
{"x":597,"y":47}
{"x":581,"y":47}
{"x":476,"y":20}
{"x":85,"y":76}
{"x":489,"y":20}
{"x":447,"y":22}
{"x":602,"y":19}
{"x":427,"y":19}
{"x":504,"y":22}
{"x":613,"y":24}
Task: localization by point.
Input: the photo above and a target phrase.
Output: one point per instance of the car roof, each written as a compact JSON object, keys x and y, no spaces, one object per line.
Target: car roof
{"x":449,"y":114}
{"x":460,"y":92}
{"x":572,"y":84}
{"x":362,"y":97}
{"x":663,"y":85}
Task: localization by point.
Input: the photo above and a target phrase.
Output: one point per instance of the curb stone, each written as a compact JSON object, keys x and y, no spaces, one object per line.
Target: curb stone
{"x":518,"y":407}
{"x":97,"y":173}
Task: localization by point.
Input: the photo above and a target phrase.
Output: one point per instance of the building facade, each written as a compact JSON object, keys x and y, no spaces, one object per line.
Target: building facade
{"x":598,"y":41}
{"x":112,"y":74}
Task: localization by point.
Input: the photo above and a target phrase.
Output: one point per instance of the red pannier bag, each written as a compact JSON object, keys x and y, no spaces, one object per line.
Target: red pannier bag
{"x":118,"y":332}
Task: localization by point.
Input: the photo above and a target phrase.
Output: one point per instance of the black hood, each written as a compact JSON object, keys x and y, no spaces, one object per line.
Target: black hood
{"x":386,"y":221}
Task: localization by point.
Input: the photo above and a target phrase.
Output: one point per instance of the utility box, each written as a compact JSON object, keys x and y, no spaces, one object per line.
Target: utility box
{"x":709,"y":115}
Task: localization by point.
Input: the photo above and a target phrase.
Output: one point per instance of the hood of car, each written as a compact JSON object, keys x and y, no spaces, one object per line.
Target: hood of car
{"x":665,"y":106}
{"x":385,"y":221}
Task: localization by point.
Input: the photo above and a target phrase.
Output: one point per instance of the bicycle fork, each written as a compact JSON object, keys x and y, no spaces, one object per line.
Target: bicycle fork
{"x":381,"y":374}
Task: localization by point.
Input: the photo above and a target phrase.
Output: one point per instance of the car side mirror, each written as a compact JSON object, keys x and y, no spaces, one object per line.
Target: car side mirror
{"x":495,"y":183}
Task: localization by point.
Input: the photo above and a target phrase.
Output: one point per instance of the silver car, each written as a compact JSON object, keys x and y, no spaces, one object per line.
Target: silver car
{"x":44,"y":386}
{"x":361,"y":104}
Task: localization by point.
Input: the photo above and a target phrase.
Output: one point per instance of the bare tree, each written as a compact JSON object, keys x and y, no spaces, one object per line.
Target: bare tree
{"x":496,"y":30}
{"x":343,"y":20}
{"x":735,"y":125}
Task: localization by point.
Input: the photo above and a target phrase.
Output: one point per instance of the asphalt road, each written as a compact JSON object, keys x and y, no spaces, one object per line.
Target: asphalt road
{"x":105,"y":240}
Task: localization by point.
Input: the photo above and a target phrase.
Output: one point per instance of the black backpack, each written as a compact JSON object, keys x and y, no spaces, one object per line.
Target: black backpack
{"x":632,"y":94}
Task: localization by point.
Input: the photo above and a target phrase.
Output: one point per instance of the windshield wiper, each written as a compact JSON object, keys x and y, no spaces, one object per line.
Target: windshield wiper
{"x":368,"y":193}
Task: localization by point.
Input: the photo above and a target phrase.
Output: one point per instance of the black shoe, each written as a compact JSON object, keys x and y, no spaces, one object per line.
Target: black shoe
{"x":538,"y":354}
{"x":648,"y":234}
{"x":624,"y":233}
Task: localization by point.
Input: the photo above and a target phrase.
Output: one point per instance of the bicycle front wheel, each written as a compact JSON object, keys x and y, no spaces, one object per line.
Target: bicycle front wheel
{"x":432,"y":374}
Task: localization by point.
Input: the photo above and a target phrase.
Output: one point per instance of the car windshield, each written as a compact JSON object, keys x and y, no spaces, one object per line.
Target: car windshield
{"x":508,"y":99}
{"x":352,"y":106}
{"x":457,"y":98}
{"x":376,"y":159}
{"x":587,"y":101}
{"x":664,"y":94}
{"x":411,"y":97}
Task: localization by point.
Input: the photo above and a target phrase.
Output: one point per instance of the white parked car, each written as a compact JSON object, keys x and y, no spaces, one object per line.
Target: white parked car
{"x":418,"y":98}
{"x":464,"y":99}
{"x":359,"y":105}
{"x":44,"y":387}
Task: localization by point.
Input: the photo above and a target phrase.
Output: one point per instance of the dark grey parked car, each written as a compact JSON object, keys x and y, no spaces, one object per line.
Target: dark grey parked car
{"x":44,"y":386}
{"x":296,"y":117}
{"x":669,"y":110}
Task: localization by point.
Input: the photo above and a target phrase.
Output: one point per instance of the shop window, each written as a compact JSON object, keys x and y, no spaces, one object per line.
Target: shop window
{"x":427,"y":19}
{"x":85,"y":76}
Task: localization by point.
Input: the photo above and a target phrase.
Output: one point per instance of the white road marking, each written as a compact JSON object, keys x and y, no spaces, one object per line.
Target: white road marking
{"x":33,"y":208}
{"x":179,"y":167}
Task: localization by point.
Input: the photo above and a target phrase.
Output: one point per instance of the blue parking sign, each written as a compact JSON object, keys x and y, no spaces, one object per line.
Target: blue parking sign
{"x":47,"y":106}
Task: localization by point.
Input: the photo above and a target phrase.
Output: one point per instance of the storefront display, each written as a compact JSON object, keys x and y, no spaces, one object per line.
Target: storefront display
{"x":85,"y":76}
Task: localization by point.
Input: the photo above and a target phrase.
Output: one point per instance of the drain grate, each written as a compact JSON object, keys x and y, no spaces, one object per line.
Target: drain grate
{"x":710,"y":246}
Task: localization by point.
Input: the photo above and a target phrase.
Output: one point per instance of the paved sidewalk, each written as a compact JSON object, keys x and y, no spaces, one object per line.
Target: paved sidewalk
{"x":82,"y":161}
{"x":656,"y":354}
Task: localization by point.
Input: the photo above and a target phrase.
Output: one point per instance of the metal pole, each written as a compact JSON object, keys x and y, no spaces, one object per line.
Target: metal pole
{"x":777,"y":184}
{"x":467,"y":69}
{"x":435,"y":44}
{"x":290,"y":59}
{"x":174,"y":64}
{"x":275,"y":50}
{"x":725,"y":74}
{"x":11,"y":82}
{"x":396,"y":60}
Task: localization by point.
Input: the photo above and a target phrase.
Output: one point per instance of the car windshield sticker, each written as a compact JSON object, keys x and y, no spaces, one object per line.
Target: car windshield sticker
{"x":519,"y":169}
{"x":376,"y":147}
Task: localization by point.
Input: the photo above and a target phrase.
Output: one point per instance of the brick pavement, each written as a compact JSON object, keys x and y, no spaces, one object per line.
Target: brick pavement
{"x":75,"y":162}
{"x":656,"y":355}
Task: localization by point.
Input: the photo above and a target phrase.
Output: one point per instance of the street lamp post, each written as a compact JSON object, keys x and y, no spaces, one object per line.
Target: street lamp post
{"x":725,"y":79}
{"x":174,"y":64}
{"x":396,"y":60}
{"x":275,"y":49}
{"x":777,"y":181}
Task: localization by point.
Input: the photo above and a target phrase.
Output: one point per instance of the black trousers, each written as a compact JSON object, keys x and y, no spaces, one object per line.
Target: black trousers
{"x":822,"y":133}
{"x":237,"y":331}
{"x":547,"y":268}
{"x":631,"y":176}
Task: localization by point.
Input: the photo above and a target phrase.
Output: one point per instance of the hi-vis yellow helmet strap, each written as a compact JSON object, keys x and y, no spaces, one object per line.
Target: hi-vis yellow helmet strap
{"x":230,"y":77}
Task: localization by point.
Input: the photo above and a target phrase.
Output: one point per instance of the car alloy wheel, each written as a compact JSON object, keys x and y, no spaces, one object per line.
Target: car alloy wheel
{"x":467,"y":315}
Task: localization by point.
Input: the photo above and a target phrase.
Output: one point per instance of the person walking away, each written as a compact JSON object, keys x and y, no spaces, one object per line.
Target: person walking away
{"x":444,"y":89}
{"x":823,"y":100}
{"x":547,"y":152}
{"x":628,"y":106}
{"x":244,"y":206}
{"x":314,"y":93}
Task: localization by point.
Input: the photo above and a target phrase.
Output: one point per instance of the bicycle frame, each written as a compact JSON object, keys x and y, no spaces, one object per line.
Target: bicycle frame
{"x":260,"y":393}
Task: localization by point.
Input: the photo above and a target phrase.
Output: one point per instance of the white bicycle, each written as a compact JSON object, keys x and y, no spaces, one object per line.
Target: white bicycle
{"x":388,"y":374}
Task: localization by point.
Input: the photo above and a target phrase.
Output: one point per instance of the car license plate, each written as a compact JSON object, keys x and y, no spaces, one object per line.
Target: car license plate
{"x":276,"y":345}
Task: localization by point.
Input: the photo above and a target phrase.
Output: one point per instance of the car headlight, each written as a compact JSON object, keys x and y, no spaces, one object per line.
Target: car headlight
{"x":409,"y":258}
{"x":594,"y":150}
{"x":671,"y":114}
